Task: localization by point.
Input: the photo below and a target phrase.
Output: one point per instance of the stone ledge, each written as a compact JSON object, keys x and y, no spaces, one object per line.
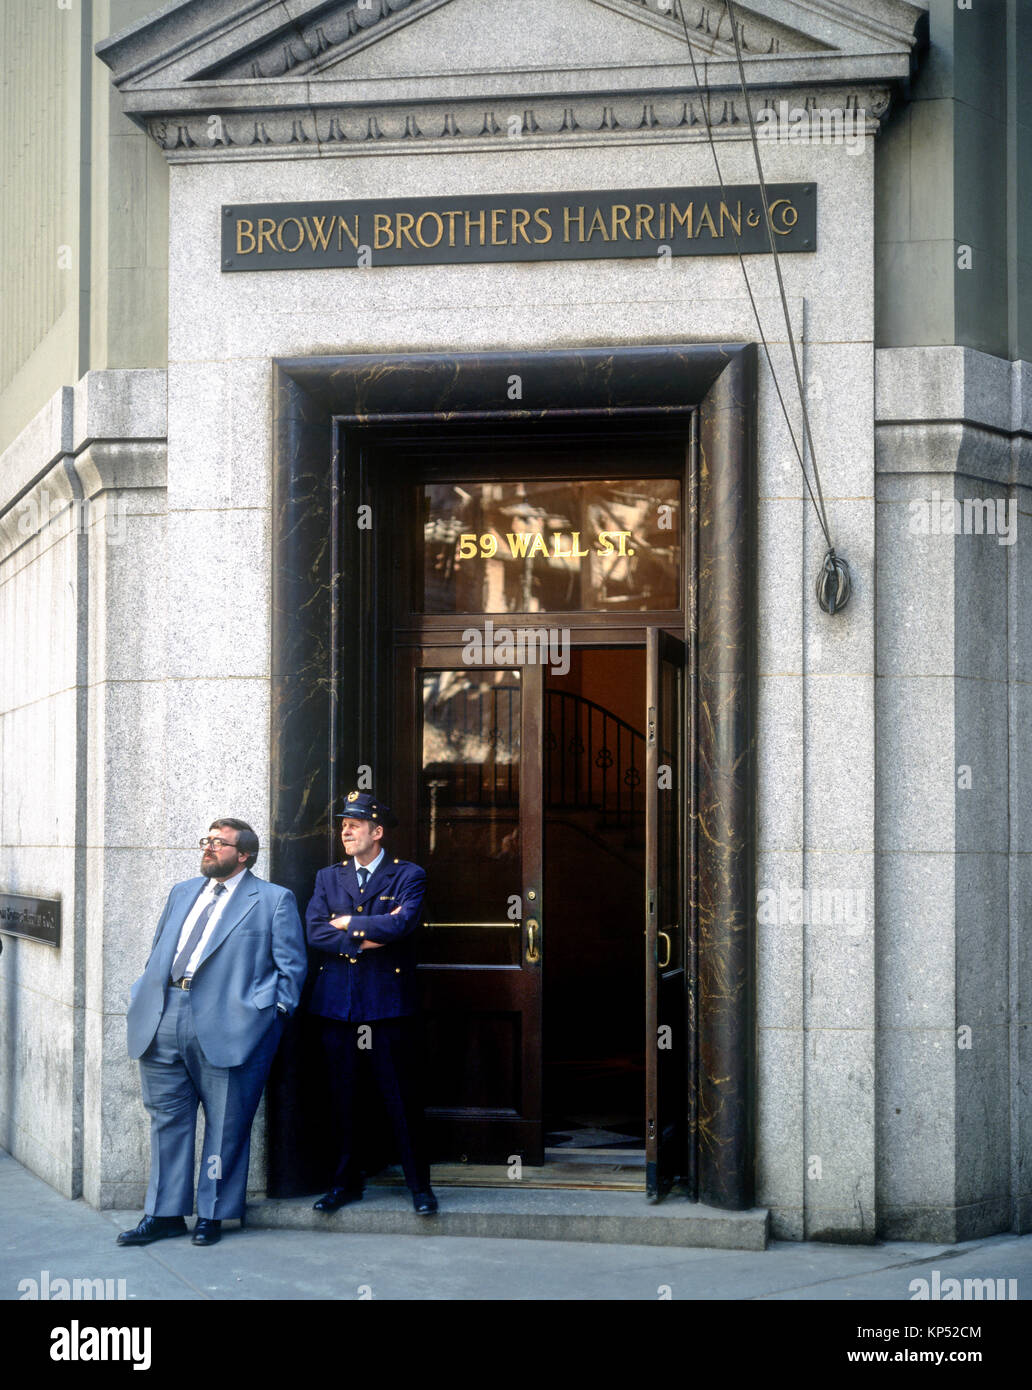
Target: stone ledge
{"x":952,"y":448}
{"x":33,"y":452}
{"x":952,"y":384}
{"x":120,"y":405}
{"x":619,"y":1218}
{"x":953,"y":410}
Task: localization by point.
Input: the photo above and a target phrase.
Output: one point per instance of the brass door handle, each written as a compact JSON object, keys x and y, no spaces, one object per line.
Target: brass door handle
{"x":533,"y":954}
{"x":662,"y":965}
{"x":431,"y":926}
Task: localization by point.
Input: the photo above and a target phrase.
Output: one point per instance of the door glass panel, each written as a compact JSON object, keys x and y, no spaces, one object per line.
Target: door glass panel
{"x":469,"y":815}
{"x":551,"y":546}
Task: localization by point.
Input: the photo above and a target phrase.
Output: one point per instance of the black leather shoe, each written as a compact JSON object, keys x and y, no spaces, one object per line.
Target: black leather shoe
{"x":208,"y":1231}
{"x":153,"y":1228}
{"x":424,"y":1203}
{"x":338,"y":1197}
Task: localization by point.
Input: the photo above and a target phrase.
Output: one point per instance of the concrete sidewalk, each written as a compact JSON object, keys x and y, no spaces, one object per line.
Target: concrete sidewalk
{"x":42,"y":1231}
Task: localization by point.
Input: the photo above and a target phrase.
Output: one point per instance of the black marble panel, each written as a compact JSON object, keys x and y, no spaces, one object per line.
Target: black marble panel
{"x":313,"y":708}
{"x":726,"y":792}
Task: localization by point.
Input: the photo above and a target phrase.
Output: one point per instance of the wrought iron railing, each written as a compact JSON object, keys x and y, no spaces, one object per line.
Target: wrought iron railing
{"x":593,"y":760}
{"x":471,"y":743}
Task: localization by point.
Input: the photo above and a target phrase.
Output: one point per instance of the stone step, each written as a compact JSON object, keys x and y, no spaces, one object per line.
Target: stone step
{"x":619,"y":1218}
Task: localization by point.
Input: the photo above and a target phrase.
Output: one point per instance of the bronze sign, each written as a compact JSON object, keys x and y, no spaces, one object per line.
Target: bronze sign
{"x":641,"y":223}
{"x":39,"y":919}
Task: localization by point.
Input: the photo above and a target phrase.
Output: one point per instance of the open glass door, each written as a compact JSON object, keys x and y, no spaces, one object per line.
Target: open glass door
{"x":665,"y":1017}
{"x":472,"y":737}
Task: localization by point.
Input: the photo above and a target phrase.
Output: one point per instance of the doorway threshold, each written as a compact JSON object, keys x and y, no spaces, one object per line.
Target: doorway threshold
{"x":596,"y":1170}
{"x":524,"y":1213}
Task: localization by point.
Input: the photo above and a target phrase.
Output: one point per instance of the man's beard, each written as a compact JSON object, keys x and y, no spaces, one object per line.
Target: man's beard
{"x":211,"y":868}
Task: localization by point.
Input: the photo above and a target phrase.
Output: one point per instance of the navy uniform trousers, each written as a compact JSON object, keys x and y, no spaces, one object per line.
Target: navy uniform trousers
{"x":175,"y":1076}
{"x":387,"y":1051}
{"x":367,"y":1003}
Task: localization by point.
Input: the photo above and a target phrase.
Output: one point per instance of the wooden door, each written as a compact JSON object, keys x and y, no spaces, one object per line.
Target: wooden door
{"x":665,"y":1016}
{"x":470,"y":739}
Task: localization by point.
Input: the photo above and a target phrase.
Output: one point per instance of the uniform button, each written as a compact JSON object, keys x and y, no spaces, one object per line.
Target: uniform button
{"x":395,"y":861}
{"x":340,"y":953}
{"x":361,"y":933}
{"x":397,"y":970}
{"x":360,"y":907}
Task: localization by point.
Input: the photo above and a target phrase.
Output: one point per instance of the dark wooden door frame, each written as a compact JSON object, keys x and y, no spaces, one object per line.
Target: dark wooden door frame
{"x":314,"y":692}
{"x":511,"y":990}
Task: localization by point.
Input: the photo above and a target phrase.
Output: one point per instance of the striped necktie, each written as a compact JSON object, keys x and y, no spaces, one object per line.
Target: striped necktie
{"x":183,"y":959}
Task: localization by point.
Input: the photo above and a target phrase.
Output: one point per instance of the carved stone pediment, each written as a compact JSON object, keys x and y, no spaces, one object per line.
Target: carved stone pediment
{"x":252,"y":78}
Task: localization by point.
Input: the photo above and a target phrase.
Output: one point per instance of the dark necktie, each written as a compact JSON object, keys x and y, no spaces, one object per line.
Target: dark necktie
{"x":183,"y":959}
{"x":363,"y":874}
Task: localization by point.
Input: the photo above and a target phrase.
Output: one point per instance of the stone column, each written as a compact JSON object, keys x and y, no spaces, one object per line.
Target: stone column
{"x":120,"y":466}
{"x":954,"y":821}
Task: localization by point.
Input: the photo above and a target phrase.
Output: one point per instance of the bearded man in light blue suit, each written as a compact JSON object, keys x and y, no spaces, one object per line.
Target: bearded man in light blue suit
{"x":225,"y":970}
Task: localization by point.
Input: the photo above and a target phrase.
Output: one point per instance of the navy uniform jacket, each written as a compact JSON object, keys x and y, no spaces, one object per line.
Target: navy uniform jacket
{"x":356,"y":985}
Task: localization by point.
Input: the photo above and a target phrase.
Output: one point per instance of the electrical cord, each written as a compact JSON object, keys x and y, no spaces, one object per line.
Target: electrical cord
{"x":832,"y":596}
{"x":834,"y":583}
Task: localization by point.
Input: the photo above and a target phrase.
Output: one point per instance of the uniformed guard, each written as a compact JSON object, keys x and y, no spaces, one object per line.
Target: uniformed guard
{"x":362,"y":918}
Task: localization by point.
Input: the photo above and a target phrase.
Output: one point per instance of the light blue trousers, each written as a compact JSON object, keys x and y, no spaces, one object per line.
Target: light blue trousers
{"x":175,"y":1076}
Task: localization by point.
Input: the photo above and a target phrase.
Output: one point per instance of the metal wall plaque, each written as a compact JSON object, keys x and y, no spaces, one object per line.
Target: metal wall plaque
{"x":640,"y":223}
{"x":37,"y":919}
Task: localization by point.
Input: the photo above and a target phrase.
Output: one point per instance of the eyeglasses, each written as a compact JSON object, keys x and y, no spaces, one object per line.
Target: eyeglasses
{"x":216,"y":842}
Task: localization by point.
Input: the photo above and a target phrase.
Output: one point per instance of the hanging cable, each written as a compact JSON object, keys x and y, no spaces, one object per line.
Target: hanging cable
{"x":834,"y":583}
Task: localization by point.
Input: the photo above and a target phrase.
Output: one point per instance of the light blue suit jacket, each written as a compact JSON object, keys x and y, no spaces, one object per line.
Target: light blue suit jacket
{"x":254,"y":960}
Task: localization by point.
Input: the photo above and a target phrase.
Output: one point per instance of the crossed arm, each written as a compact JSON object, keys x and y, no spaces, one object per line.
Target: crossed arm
{"x":329,"y":932}
{"x":342,"y":924}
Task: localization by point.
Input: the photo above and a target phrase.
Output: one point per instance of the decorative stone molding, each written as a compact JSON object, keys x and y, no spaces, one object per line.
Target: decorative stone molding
{"x":953,"y":410}
{"x":122,"y":465}
{"x":709,"y":27}
{"x":271,"y":132}
{"x":50,"y":502}
{"x":331,"y":38}
{"x":247,"y":79}
{"x":105,"y":434}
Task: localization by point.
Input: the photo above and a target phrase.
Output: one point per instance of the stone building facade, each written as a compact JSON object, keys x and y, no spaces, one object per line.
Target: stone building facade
{"x":162,"y":416}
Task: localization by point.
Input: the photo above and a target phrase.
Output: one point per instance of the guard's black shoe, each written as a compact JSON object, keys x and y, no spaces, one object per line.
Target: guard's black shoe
{"x":338,"y":1197}
{"x":424,"y":1203}
{"x":153,"y":1228}
{"x":208,"y":1231}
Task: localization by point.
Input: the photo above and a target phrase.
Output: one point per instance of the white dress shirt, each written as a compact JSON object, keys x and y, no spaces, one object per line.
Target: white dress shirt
{"x":221,"y":903}
{"x":371,"y":867}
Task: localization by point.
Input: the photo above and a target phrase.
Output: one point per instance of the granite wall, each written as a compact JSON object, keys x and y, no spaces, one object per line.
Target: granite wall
{"x":816,"y":674}
{"x":82,"y":568}
{"x":147,"y":671}
{"x":954,"y":815}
